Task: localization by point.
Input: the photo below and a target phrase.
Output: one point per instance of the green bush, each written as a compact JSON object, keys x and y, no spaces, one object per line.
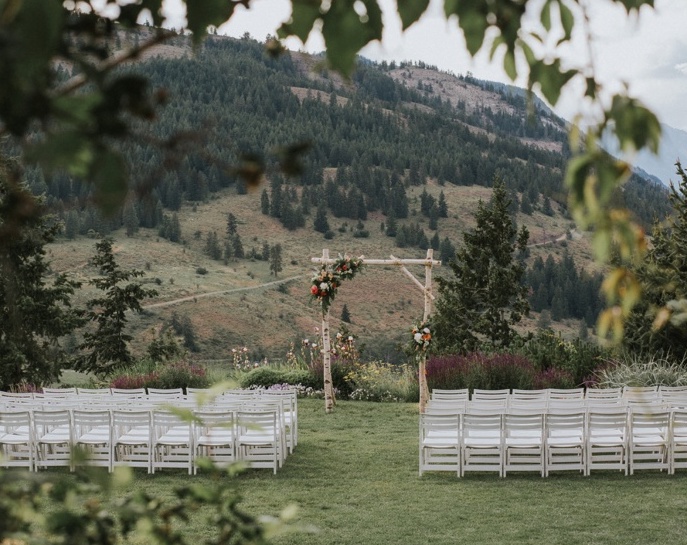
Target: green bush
{"x":547,"y":350}
{"x":148,"y":374}
{"x":267,"y":376}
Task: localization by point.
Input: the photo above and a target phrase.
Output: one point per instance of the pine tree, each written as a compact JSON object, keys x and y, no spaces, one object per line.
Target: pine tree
{"x":107,"y":346}
{"x":345,"y":315}
{"x":212,"y":247}
{"x":391,"y":225}
{"x":443,"y":207}
{"x":320,"y":224}
{"x":447,"y":251}
{"x":34,"y":306}
{"x":265,"y":202}
{"x":487,"y":297}
{"x":130,"y":219}
{"x":276,"y":261}
{"x":237,"y":246}
{"x":232,"y":225}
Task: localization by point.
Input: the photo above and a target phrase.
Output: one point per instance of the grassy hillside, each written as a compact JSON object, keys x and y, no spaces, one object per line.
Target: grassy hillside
{"x":229,"y":308}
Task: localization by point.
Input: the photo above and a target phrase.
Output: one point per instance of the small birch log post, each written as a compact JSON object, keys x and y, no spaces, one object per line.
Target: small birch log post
{"x":422,"y":364}
{"x":327,"y":364}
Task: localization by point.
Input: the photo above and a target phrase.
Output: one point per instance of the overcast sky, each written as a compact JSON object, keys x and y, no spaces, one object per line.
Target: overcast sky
{"x":649,"y":52}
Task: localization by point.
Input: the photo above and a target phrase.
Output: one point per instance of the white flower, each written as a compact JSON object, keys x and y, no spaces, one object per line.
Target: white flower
{"x":425,"y":330}
{"x":324,"y":286}
{"x":418,"y":337}
{"x":306,"y":342}
{"x":350,"y":337}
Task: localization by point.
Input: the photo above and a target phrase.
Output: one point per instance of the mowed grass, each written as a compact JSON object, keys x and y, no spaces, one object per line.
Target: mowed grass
{"x":354,"y":476}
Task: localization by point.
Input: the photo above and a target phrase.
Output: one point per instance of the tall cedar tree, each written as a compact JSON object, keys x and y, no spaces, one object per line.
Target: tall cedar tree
{"x":34,"y":314}
{"x":276,"y":261}
{"x":663,"y":276}
{"x":107,"y":346}
{"x":487,"y":296}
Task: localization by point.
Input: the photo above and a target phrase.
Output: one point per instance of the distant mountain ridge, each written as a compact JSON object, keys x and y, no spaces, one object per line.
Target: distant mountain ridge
{"x":661,"y":167}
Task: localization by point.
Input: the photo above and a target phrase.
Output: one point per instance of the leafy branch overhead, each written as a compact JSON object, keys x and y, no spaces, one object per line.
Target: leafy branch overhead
{"x":82,"y":119}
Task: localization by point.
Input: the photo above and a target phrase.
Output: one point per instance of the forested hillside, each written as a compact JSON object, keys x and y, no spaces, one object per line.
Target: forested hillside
{"x":396,"y":160}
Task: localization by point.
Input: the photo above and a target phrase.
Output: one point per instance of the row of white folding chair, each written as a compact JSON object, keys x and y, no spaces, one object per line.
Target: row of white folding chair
{"x":150,"y":438}
{"x":583,"y":440}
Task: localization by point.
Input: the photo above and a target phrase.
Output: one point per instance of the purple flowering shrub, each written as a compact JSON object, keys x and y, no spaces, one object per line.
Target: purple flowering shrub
{"x":177,"y":374}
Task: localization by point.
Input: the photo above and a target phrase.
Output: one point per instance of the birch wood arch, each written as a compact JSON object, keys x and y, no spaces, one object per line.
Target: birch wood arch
{"x":429,"y":263}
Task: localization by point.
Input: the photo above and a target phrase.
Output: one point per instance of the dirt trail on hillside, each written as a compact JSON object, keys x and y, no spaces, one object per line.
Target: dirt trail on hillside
{"x":223,"y":292}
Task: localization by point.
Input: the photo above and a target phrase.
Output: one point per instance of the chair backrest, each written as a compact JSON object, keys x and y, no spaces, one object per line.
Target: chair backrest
{"x":607,"y":421}
{"x":566,"y":393}
{"x":486,"y":405}
{"x":165,"y":393}
{"x":131,"y":393}
{"x":458,"y":395}
{"x":529,"y":395}
{"x":523,"y":424}
{"x":571,"y":404}
{"x":478,"y":394}
{"x":604,"y":393}
{"x":649,"y":421}
{"x":446,"y":406}
{"x":93,"y":392}
{"x":59,"y":392}
{"x":487,"y":424}
{"x":640,"y":393}
{"x":444,"y":427}
{"x":566,"y":422}
{"x":531,"y":405}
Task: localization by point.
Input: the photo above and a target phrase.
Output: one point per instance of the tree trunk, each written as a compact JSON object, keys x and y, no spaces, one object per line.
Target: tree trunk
{"x":422,"y":380}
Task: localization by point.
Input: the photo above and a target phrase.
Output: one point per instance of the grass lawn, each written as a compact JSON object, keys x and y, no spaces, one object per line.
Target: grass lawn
{"x":354,"y":476}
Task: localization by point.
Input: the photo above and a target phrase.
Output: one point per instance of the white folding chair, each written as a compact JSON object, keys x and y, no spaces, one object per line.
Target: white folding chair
{"x":214,"y":437}
{"x":172,"y":441}
{"x":290,"y":413}
{"x":128,"y":393}
{"x":258,"y":442}
{"x":16,"y":439}
{"x":678,"y":440}
{"x":94,"y":392}
{"x":523,"y":432}
{"x":132,"y":437}
{"x":565,"y":440}
{"x":92,"y":432}
{"x":649,"y":439}
{"x":446,"y":406}
{"x":52,"y":434}
{"x":482,"y":442}
{"x":440,"y":442}
{"x":607,"y":439}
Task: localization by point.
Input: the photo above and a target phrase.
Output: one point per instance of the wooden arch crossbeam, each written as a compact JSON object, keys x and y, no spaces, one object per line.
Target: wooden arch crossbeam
{"x":429,"y":263}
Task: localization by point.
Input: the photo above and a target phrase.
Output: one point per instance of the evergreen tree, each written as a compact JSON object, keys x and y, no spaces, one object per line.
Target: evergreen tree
{"x":237,"y":246}
{"x":663,"y":276}
{"x":435,"y":242}
{"x":345,"y":315}
{"x":107,"y":347}
{"x":447,"y":251}
{"x":442,"y":206}
{"x":232,"y":225}
{"x":212,"y":247}
{"x":487,"y":297}
{"x":130,"y":219}
{"x":265,"y":202}
{"x":434,"y":218}
{"x":265,"y":251}
{"x":276,"y":261}
{"x":320,"y":224}
{"x":391,"y":225}
{"x":34,"y":311}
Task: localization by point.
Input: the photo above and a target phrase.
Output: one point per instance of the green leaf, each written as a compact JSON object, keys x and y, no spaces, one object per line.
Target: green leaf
{"x":411,"y":10}
{"x":509,"y":65}
{"x":69,"y":150}
{"x":77,"y":109}
{"x":631,"y":5}
{"x":303,"y":16}
{"x":552,"y":80}
{"x":109,"y":177}
{"x":346,"y":33}
{"x":567,"y":19}
{"x":635,"y":125}
{"x":546,"y":15}
{"x":200,"y":15}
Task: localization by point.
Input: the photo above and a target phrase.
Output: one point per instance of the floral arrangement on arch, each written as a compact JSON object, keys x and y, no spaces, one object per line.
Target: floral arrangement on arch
{"x":328,"y":279}
{"x":422,"y":337}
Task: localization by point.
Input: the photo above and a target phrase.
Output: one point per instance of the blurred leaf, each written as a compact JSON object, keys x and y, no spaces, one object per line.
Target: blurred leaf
{"x":304,"y":13}
{"x":411,"y":10}
{"x":546,"y":15}
{"x":472,"y":19}
{"x":567,"y":19}
{"x":635,"y":125}
{"x":77,"y":109}
{"x":200,"y":15}
{"x":290,"y":158}
{"x":631,"y":5}
{"x":346,"y":33}
{"x":71,"y":151}
{"x":509,"y":65}
{"x":109,"y":177}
